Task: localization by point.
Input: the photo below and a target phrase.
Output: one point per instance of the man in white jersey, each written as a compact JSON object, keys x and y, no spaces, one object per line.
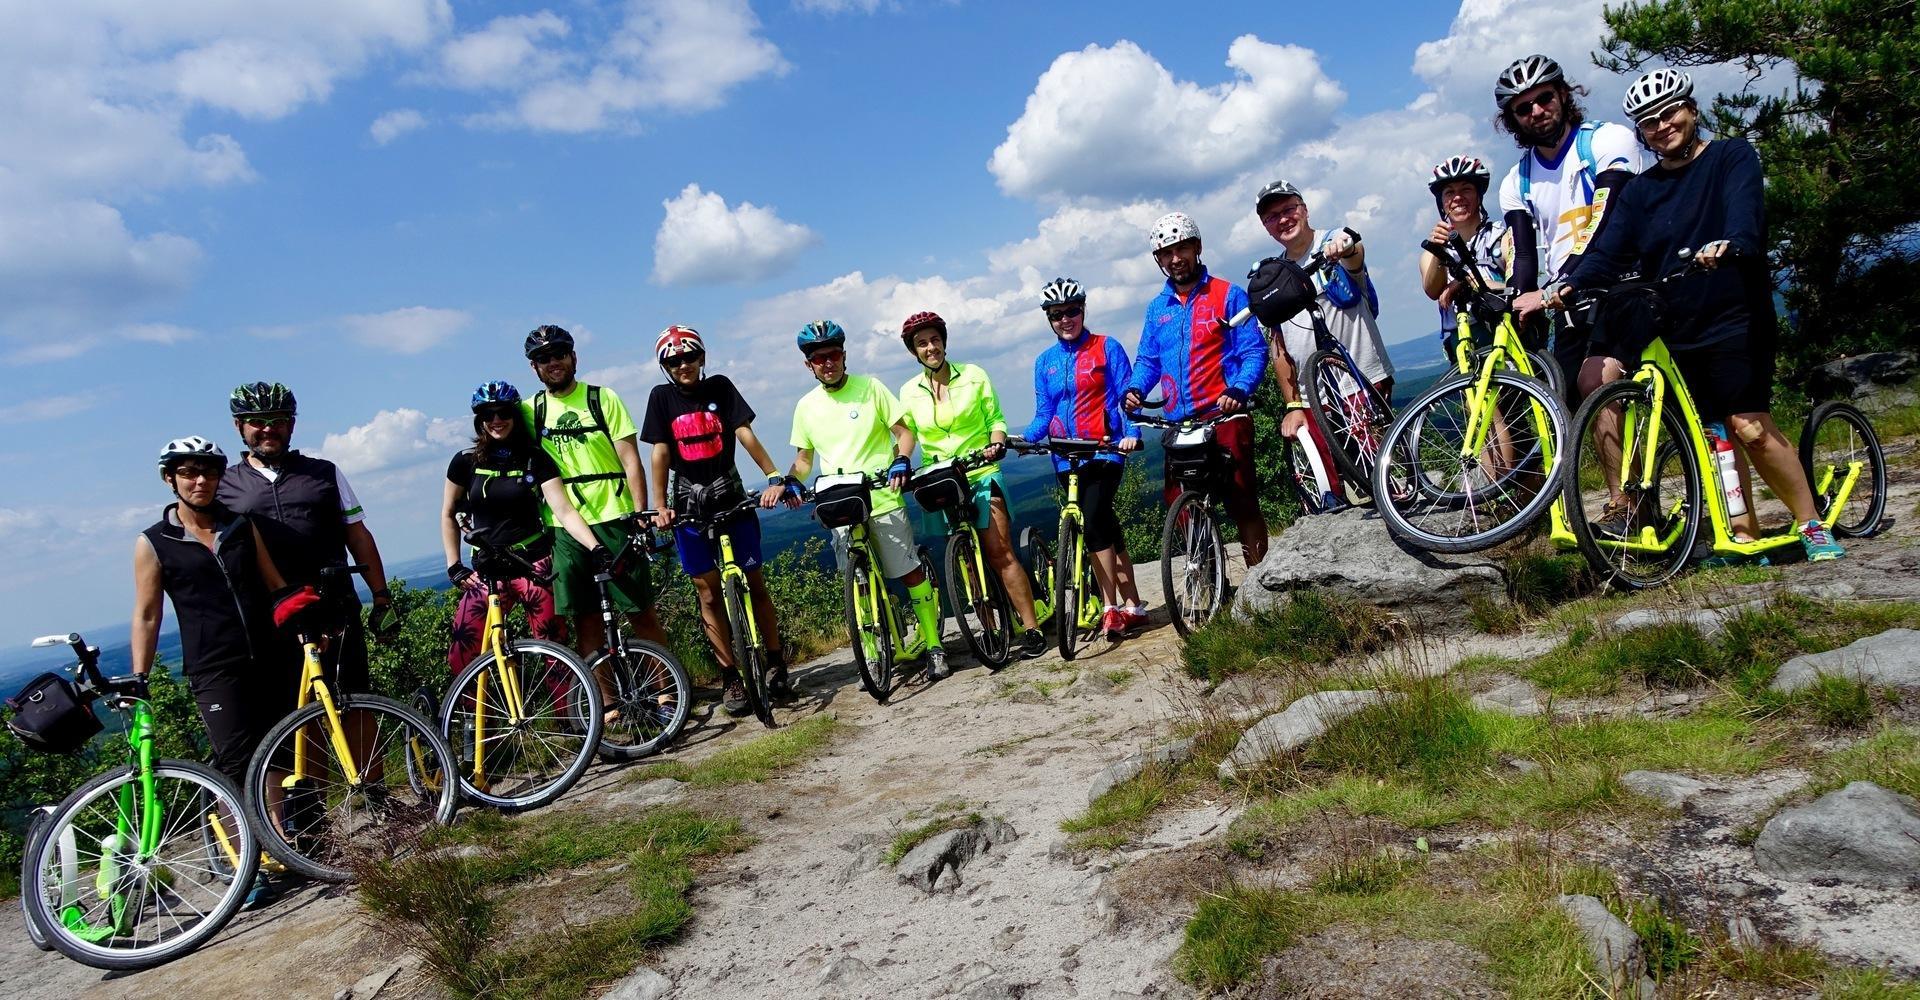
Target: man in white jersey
{"x":1555,"y":198}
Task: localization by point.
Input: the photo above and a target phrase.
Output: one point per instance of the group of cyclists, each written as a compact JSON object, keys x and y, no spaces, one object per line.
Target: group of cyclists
{"x":560,"y":477}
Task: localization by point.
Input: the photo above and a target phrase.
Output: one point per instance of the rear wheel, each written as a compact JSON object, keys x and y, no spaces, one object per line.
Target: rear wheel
{"x":37,"y":818}
{"x":1069,"y":595}
{"x":526,"y":762}
{"x":749,"y":660}
{"x":1349,"y":411}
{"x":650,"y":690}
{"x":103,"y":897}
{"x":1039,"y":559}
{"x":1193,"y":571}
{"x":1648,"y":535}
{"x":979,"y":601}
{"x":872,"y":639}
{"x":1839,"y":444}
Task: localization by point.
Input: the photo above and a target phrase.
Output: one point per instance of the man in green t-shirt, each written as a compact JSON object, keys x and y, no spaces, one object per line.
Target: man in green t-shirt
{"x":851,"y":423}
{"x":590,"y":436}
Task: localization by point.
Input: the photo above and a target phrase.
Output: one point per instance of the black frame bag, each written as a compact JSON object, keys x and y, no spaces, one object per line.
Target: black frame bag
{"x":51,"y":714}
{"x":941,"y":487}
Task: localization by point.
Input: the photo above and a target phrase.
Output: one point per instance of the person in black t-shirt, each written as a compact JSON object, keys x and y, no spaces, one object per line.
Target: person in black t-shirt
{"x":500,"y":483}
{"x":694,"y":423}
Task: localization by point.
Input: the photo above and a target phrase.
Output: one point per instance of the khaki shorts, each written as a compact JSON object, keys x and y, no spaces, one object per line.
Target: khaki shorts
{"x":892,"y":536}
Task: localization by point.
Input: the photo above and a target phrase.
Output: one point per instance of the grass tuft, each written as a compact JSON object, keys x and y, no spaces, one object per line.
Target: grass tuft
{"x":755,"y":760}
{"x":1889,"y":758}
{"x":1308,"y":629}
{"x":912,"y":838}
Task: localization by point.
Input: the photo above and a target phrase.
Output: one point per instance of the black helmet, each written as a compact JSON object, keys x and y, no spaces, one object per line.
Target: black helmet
{"x":546,"y":337}
{"x":256,"y":398}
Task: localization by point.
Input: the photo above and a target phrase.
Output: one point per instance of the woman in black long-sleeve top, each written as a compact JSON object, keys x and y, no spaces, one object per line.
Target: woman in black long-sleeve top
{"x":1719,"y":325}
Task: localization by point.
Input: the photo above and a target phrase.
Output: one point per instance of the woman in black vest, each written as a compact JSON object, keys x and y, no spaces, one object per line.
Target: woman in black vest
{"x":500,"y":482}
{"x":211,"y":563}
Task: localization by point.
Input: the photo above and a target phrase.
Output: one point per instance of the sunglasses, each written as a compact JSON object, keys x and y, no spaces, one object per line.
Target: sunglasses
{"x":1665,"y":116}
{"x":1069,"y":312}
{"x":193,"y":472}
{"x":492,"y":413}
{"x":549,"y":357}
{"x":832,"y":356}
{"x":683,"y":360}
{"x":1521,"y":109}
{"x":264,"y":422}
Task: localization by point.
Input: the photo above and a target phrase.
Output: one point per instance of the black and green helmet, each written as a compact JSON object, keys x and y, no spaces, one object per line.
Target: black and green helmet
{"x":256,"y":398}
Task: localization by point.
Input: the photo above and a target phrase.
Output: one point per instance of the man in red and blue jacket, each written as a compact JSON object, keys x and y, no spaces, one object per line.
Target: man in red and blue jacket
{"x":1202,"y":365}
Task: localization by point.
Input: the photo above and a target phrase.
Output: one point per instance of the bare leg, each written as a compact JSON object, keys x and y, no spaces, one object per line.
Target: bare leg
{"x":998,"y":540}
{"x":1778,"y":462}
{"x":1105,"y":570}
{"x":1595,"y":373}
{"x":713,"y":617}
{"x":1746,"y":527}
{"x":1123,"y":573}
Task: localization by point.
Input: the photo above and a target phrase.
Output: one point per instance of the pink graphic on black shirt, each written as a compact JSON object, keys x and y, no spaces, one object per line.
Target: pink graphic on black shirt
{"x":697,"y":435}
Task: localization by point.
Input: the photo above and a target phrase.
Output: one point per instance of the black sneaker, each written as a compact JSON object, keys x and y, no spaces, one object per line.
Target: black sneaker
{"x":1032,"y":643}
{"x":734,"y":699}
{"x":778,"y":685}
{"x":937,"y":668}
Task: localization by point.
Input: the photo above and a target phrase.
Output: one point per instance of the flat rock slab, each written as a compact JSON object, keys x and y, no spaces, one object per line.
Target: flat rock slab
{"x":1890,"y":659}
{"x":1302,"y":721}
{"x":643,"y":984}
{"x":1862,"y":834}
{"x":1670,"y":790}
{"x":1352,"y":554}
{"x":1615,"y":948}
{"x":1515,"y":697}
{"x":1119,"y":773}
{"x":950,"y":851}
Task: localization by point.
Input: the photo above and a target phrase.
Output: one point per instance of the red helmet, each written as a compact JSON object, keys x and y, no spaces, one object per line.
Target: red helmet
{"x":677,"y":340}
{"x":918,"y":320}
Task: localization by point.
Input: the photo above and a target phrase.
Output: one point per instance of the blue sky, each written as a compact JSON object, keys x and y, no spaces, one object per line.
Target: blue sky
{"x":373,"y":200}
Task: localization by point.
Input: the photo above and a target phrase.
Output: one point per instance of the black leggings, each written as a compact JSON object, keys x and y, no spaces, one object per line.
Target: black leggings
{"x":1099,"y":481}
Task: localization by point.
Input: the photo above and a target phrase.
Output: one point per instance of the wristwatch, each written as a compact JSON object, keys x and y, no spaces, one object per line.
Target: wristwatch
{"x":776,"y":479}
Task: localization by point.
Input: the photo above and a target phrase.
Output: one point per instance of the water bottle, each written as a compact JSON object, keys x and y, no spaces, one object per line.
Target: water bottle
{"x":1728,"y":463}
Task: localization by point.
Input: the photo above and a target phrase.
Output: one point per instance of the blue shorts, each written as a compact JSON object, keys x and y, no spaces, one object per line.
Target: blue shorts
{"x":934,"y":524}
{"x":699,"y":558}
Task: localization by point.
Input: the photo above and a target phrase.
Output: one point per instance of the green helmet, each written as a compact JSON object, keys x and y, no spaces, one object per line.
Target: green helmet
{"x":256,"y":398}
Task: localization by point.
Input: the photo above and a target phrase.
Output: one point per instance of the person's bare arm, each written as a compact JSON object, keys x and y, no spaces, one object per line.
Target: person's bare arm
{"x":145,"y":635}
{"x":658,"y":477}
{"x":366,"y":552}
{"x":263,"y":561}
{"x":555,"y":493}
{"x":629,"y":453}
{"x":450,"y":529}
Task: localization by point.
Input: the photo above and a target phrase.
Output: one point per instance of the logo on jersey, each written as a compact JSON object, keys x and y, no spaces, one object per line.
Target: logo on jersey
{"x":698,"y":435}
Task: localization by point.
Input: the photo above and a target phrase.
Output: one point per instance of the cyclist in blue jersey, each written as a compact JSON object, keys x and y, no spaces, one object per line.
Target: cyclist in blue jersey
{"x":1078,"y":383}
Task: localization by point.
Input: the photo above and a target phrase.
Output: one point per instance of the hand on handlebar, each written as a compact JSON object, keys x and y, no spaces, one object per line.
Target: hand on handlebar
{"x":1527,"y":305}
{"x":1554,"y":296}
{"x":897,"y":473}
{"x":1441,"y":230}
{"x":994,"y":451}
{"x":603,"y":558}
{"x":1229,"y":403}
{"x":463,"y":576}
{"x":1710,"y":255}
{"x":1127,"y":444}
{"x":1342,"y":245}
{"x":663,"y":517}
{"x":1132,"y":400}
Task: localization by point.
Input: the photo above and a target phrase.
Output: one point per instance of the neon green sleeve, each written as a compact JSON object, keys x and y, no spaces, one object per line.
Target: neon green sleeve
{"x":990,"y":406}
{"x":619,"y":421}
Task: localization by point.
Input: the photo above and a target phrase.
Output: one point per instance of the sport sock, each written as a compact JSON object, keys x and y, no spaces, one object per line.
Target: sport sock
{"x":926,"y":608}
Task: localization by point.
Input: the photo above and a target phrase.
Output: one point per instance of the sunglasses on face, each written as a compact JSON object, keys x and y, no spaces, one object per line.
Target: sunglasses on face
{"x":549,"y":357}
{"x":493,"y":413}
{"x":193,"y":472}
{"x":1664,"y":116}
{"x":827,"y":357}
{"x":265,"y":422}
{"x":1521,"y":109}
{"x":1070,"y":312}
{"x":683,"y":360}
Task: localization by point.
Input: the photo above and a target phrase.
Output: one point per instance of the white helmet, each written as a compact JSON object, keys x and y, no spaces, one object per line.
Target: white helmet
{"x":1061,"y":291}
{"x":191,"y":447}
{"x":1173,"y":227}
{"x":1654,"y":91}
{"x":1523,"y":75}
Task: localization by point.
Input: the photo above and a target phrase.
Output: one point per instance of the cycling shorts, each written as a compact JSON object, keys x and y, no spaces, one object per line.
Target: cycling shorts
{"x":698,"y":557}
{"x":575,"y":593}
{"x":1730,"y":374}
{"x":1242,"y":495}
{"x":1099,"y":482}
{"x":238,"y":706}
{"x":892,"y":536}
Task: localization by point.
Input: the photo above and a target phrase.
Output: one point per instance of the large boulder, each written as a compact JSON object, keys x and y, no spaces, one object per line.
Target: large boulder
{"x":1283,"y":732}
{"x":1862,"y":834}
{"x":1352,"y":554}
{"x":950,"y":851}
{"x":1891,"y":658}
{"x":1864,"y":374}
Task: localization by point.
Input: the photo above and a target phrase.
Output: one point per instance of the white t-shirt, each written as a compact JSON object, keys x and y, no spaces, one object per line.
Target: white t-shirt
{"x":1353,"y":327}
{"x":1562,"y":193}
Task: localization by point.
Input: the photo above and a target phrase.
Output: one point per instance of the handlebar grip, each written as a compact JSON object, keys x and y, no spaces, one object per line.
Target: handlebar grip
{"x":1437,"y":249}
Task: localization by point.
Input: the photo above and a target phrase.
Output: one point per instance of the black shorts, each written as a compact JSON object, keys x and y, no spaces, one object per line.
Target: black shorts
{"x":1099,"y":481}
{"x":238,"y":705}
{"x":1732,"y":374}
{"x":1727,"y":377}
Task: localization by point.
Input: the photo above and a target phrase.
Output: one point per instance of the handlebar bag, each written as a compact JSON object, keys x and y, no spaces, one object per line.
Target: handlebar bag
{"x":940,"y":486}
{"x":842,"y":501}
{"x":1278,"y":290}
{"x":1191,"y":454}
{"x":51,"y":715}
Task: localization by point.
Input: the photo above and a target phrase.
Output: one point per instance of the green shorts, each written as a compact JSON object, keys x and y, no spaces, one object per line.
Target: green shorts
{"x":574,"y":592}
{"x":934,"y":524}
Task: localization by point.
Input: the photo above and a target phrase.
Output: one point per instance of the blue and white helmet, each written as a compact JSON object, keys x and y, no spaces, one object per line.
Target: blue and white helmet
{"x":495,"y":393}
{"x":820,"y":333}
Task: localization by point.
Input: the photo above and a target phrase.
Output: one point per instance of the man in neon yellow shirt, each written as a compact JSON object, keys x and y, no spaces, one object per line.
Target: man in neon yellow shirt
{"x":851,"y":423}
{"x":953,"y":410}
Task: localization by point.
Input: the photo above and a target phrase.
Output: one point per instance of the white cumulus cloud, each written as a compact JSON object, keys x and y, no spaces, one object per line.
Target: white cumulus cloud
{"x":394,"y":124}
{"x":1112,"y":122}
{"x":499,"y":54}
{"x":406,"y":331}
{"x":704,"y":241}
{"x":393,"y":439}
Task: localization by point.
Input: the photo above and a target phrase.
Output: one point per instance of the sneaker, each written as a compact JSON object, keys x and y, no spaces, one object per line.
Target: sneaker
{"x":1616,"y":519}
{"x":937,"y":668}
{"x":734,"y":699}
{"x":1114,"y":624}
{"x":1136,"y":617}
{"x":777,"y":683}
{"x":1032,"y":643}
{"x":1819,"y":542}
{"x":260,"y":894}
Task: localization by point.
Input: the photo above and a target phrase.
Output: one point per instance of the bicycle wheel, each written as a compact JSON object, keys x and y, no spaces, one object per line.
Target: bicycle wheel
{"x":1070,"y":596}
{"x":1648,"y":536}
{"x":651,"y":693}
{"x":105,"y":899}
{"x":1193,"y":569}
{"x":1837,"y":440}
{"x":872,"y":639}
{"x":327,"y":822}
{"x":1039,"y":560}
{"x":37,"y":818}
{"x":1349,"y":411}
{"x":528,"y":762}
{"x":1467,"y":499}
{"x":980,"y":604}
{"x":749,"y":660}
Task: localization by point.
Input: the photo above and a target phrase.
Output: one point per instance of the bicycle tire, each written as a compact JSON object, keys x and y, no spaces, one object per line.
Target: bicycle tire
{"x":1352,"y":437}
{"x":1069,"y":595}
{"x":1673,"y":460}
{"x":1425,"y":441}
{"x":75,"y":815}
{"x":980,"y":607}
{"x":872,"y":643}
{"x":566,"y":736}
{"x":329,"y":855}
{"x":1862,"y":443}
{"x":647,"y":672}
{"x":1196,"y":596}
{"x":37,"y":818}
{"x":1039,"y":562}
{"x":1300,"y":473}
{"x":749,"y":661}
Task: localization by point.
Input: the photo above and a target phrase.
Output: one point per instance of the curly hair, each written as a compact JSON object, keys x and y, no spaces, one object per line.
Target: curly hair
{"x":1570,"y":95}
